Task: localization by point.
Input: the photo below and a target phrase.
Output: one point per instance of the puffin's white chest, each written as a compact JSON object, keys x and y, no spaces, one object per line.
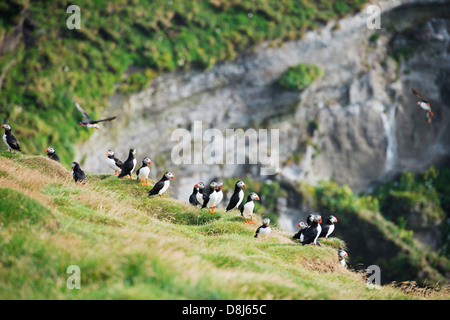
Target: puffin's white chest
{"x":319,"y":230}
{"x":241,"y":197}
{"x":134,"y":165}
{"x":199,"y":197}
{"x":424,"y":106}
{"x":342,"y":262}
{"x":219,"y":197}
{"x":330,"y":230}
{"x":264,"y":232}
{"x":248,"y":209}
{"x":212,"y":200}
{"x":92,"y":125}
{"x":165,"y":187}
{"x":112,"y":164}
{"x":144,"y":172}
{"x":4,"y":140}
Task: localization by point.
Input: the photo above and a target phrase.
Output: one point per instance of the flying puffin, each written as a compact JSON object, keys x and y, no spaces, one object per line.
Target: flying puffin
{"x":248,"y":208}
{"x":299,"y":235}
{"x":237,"y":196}
{"x":424,"y":104}
{"x":264,"y":230}
{"x":144,"y":171}
{"x":88,"y":122}
{"x":342,"y":254}
{"x":193,"y":196}
{"x":10,"y":141}
{"x":129,"y":165}
{"x":209,"y":200}
{"x":200,"y":194}
{"x":328,"y":227}
{"x":51,"y":154}
{"x":162,"y":185}
{"x":113,"y":162}
{"x":312,"y":233}
{"x":219,"y":193}
{"x":77,"y":173}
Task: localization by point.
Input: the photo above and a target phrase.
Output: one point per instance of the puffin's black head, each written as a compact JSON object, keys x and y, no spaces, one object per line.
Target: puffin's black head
{"x":240,"y":184}
{"x":133,"y":151}
{"x":50,"y":150}
{"x":332,"y":219}
{"x":200,"y":185}
{"x":213,"y":185}
{"x":302,"y":225}
{"x":342,"y":253}
{"x":169,"y":175}
{"x":146,"y":161}
{"x":110,"y":153}
{"x":75,"y":165}
{"x":253,"y":196}
{"x":6,"y":127}
{"x":220,"y":184}
{"x":318,"y":218}
{"x":310,"y":218}
{"x":266,"y":222}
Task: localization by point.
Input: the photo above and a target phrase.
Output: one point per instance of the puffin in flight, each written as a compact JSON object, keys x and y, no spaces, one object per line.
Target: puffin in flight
{"x":209,"y":200}
{"x":77,"y":173}
{"x":129,"y":164}
{"x":312,"y":233}
{"x":237,"y":197}
{"x":10,"y":141}
{"x":113,"y":162}
{"x":88,"y":122}
{"x":248,"y":208}
{"x":424,"y":104}
{"x":264,"y":230}
{"x":144,"y":171}
{"x":162,"y":185}
{"x":51,"y":154}
{"x":328,"y":227}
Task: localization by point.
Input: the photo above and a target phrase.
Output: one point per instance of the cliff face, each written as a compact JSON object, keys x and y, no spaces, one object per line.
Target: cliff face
{"x":367,"y":127}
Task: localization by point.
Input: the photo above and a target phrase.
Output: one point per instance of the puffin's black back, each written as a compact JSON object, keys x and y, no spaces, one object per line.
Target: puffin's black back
{"x":127,"y":165}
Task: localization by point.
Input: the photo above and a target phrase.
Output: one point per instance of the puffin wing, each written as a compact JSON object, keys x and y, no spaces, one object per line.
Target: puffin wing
{"x":12,"y":142}
{"x":103,"y":120}
{"x":126,"y":168}
{"x":257,"y":231}
{"x":233,"y":201}
{"x":158,"y":186}
{"x":85,"y":115}
{"x":193,"y":200}
{"x":418,"y":95}
{"x":118,"y":162}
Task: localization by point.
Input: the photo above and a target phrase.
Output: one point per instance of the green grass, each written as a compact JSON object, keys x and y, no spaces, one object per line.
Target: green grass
{"x":299,"y":77}
{"x":129,"y":246}
{"x":156,"y":37}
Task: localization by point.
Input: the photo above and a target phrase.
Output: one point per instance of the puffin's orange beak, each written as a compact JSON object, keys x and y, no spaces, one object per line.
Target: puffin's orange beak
{"x":196,"y":186}
{"x":151,"y":162}
{"x":2,"y":126}
{"x":257,"y":198}
{"x":46,"y":150}
{"x":173,"y":177}
{"x":244,"y":186}
{"x":298,"y":224}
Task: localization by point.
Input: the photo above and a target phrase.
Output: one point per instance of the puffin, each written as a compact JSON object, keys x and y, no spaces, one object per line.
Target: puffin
{"x":264,"y":230}
{"x":51,"y":154}
{"x":424,"y":104}
{"x":200,"y":194}
{"x":88,"y":122}
{"x":342,"y":254}
{"x":193,"y":197}
{"x":237,"y":196}
{"x":10,"y":141}
{"x":77,"y":173}
{"x":144,"y":171}
{"x":219,"y":194}
{"x":299,"y":235}
{"x":113,"y":162}
{"x":129,"y":164}
{"x":248,"y":208}
{"x":209,"y":200}
{"x":309,"y":219}
{"x":328,"y":227}
{"x":162,"y":185}
{"x":312,"y":233}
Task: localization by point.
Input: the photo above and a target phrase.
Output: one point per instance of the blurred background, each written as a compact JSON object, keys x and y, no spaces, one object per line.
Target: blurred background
{"x":353,"y":142}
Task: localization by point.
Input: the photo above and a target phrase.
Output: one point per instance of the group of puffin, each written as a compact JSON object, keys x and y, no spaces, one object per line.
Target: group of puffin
{"x":309,"y":233}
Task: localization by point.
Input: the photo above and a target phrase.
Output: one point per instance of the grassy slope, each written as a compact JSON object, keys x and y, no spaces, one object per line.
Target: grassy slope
{"x":153,"y":37}
{"x":130,"y":246}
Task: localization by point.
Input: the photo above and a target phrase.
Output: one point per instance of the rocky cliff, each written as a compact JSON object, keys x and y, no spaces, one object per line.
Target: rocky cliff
{"x":358,"y":124}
